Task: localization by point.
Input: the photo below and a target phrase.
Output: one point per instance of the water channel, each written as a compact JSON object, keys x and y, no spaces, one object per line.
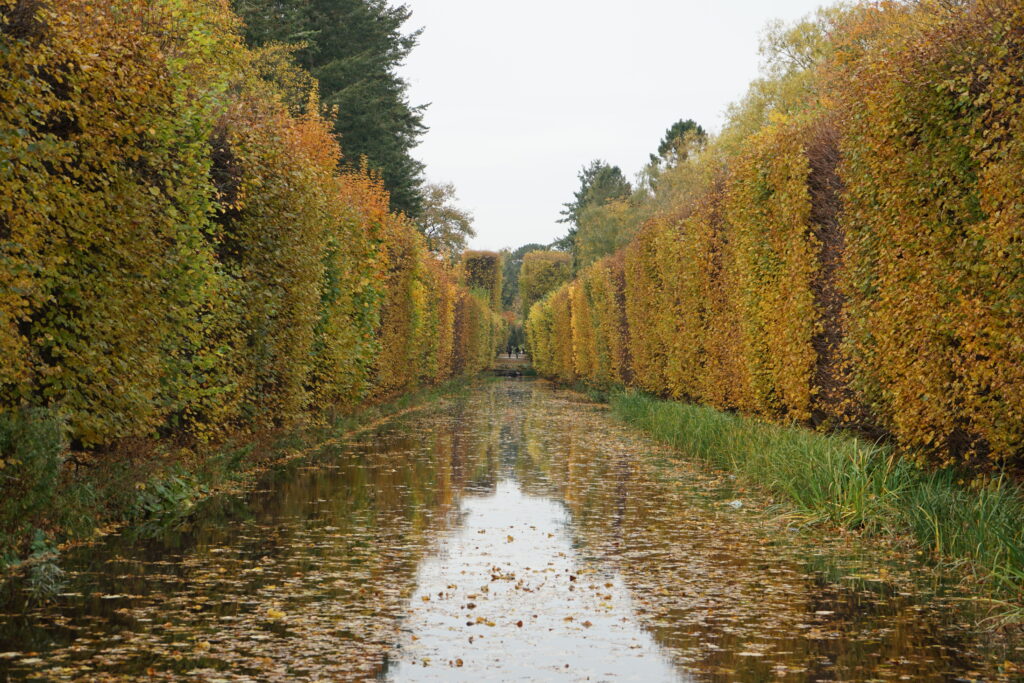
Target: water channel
{"x":514,"y":533}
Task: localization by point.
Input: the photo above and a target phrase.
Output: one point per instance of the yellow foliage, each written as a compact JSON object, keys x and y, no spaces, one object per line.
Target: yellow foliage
{"x":933,"y":157}
{"x":768,"y":209}
{"x":178,"y":251}
{"x":542,"y":272}
{"x":858,"y":257}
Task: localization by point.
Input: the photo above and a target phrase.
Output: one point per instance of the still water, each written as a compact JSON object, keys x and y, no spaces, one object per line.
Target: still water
{"x":514,"y":533}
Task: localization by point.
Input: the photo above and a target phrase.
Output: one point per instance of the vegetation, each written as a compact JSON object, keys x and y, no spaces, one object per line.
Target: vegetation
{"x":850,"y":482}
{"x":483,"y":271}
{"x":181,"y":261}
{"x":353,"y":49}
{"x":847,"y":253}
{"x":600,"y":183}
{"x":677,"y":142}
{"x":513,"y":260}
{"x":542,"y":272}
{"x":446,"y":227}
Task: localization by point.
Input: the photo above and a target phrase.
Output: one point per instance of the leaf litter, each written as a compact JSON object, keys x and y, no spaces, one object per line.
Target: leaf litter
{"x":519,"y":532}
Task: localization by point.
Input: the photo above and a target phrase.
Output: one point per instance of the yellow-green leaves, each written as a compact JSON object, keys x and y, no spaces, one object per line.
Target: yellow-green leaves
{"x":178,"y":251}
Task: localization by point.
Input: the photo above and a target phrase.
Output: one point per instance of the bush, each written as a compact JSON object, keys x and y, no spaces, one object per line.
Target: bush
{"x":542,"y":272}
{"x":32,"y":446}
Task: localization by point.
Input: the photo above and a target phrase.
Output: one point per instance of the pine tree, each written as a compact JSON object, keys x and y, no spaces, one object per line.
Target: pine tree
{"x":354,"y":48}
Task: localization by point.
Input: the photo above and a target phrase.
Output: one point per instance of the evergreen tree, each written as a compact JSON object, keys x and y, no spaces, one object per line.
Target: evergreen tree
{"x":600,"y":183}
{"x":354,"y":49}
{"x":672,"y":147}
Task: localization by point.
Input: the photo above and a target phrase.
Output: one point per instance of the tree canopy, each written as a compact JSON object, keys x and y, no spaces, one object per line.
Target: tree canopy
{"x":600,"y":183}
{"x":510,"y":281}
{"x":354,"y":48}
{"x":446,"y":226}
{"x":542,"y":272}
{"x":673,"y":146}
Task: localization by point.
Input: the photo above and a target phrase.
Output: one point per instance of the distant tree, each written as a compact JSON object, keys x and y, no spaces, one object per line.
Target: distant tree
{"x":446,"y":227}
{"x":354,"y":49}
{"x":673,"y":147}
{"x":789,"y":81}
{"x":510,"y":281}
{"x":599,"y":184}
{"x":542,"y":272}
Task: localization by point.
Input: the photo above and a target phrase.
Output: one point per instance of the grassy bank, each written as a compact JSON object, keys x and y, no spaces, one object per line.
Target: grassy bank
{"x":843,"y":480}
{"x":55,"y":498}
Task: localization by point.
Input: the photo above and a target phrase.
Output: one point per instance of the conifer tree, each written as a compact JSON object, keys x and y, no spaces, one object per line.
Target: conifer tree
{"x":354,"y":48}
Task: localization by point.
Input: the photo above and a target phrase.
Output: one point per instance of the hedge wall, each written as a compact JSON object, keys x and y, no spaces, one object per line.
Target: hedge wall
{"x":858,"y":263}
{"x":179,"y":253}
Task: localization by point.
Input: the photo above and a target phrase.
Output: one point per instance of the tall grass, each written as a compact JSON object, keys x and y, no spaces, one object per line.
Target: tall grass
{"x":853,"y":483}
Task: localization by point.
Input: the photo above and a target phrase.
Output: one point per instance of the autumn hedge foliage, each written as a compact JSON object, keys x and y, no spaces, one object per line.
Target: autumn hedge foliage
{"x":179,"y":253}
{"x":858,"y":263}
{"x":482,"y":272}
{"x":542,"y":271}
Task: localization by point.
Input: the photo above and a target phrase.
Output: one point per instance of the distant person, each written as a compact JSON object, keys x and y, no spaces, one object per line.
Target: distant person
{"x":508,"y":351}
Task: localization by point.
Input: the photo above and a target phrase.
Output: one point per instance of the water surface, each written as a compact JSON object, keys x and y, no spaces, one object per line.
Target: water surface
{"x":516,"y":533}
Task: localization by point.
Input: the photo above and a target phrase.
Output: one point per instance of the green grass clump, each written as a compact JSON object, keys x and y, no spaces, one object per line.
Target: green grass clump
{"x":31,"y":455}
{"x":857,"y":484}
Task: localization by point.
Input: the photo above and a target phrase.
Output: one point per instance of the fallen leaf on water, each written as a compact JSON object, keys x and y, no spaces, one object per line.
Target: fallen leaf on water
{"x":275,"y":614}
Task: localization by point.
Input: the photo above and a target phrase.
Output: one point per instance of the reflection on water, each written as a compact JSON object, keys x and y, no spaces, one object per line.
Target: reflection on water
{"x":505,"y":596}
{"x":416,"y":551}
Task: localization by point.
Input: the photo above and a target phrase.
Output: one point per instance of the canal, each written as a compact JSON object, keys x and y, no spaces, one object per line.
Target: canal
{"x":514,"y":532}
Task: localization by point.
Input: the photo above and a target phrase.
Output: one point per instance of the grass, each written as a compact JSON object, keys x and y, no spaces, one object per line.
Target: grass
{"x":856,"y":484}
{"x":45,"y":502}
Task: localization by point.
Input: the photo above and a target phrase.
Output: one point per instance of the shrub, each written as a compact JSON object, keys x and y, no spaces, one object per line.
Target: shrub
{"x":31,"y":454}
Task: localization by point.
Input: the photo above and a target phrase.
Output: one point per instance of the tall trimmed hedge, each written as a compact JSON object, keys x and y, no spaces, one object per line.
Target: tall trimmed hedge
{"x":859,"y":262}
{"x":179,"y":253}
{"x":541,"y":272}
{"x":483,"y":271}
{"x":933,"y":157}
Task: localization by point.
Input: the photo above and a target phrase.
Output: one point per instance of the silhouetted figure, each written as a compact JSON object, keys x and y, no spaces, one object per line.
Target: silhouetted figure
{"x":509,"y":351}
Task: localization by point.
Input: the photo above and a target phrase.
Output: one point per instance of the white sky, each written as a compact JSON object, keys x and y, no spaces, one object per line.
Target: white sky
{"x":522,"y":94}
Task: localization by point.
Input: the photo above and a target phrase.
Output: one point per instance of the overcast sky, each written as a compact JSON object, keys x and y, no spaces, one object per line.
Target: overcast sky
{"x":522,"y":94}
